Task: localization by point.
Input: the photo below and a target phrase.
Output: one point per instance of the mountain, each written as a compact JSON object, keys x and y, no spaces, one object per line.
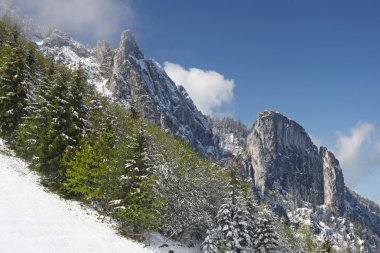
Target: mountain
{"x":284,"y":159}
{"x":304,"y":183}
{"x":302,"y":179}
{"x":127,"y":76}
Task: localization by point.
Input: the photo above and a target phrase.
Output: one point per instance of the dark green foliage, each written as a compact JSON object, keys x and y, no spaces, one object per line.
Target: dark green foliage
{"x":15,"y":87}
{"x":94,"y":173}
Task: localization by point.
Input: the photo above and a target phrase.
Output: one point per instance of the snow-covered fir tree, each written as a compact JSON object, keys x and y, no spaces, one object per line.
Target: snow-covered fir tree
{"x":265,"y":238}
{"x":210,"y":243}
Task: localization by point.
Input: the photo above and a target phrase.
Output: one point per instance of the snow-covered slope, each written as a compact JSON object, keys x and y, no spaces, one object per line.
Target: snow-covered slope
{"x":36,"y":221}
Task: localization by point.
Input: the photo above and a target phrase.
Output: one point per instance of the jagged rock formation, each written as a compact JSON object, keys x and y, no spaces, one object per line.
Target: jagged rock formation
{"x":127,"y":76}
{"x":284,"y":159}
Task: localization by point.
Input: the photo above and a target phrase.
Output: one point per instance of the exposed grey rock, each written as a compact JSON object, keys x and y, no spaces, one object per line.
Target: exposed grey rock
{"x":127,"y":76}
{"x":143,"y":84}
{"x":60,"y":39}
{"x":104,"y":57}
{"x":333,"y":180}
{"x":284,"y":159}
{"x":232,"y":134}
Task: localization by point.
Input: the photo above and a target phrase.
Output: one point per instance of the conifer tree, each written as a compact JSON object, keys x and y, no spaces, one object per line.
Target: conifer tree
{"x":265,"y":238}
{"x":15,"y":87}
{"x":94,"y":172}
{"x":210,"y":243}
{"x":139,"y":205}
{"x":79,"y":94}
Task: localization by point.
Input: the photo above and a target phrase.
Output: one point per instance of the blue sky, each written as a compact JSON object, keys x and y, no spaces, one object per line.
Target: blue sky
{"x":317,"y":62}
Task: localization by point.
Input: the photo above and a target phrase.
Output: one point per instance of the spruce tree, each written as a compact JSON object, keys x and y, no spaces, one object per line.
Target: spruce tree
{"x":265,"y":238}
{"x":210,"y":243}
{"x":79,"y":94}
{"x":139,"y":204}
{"x":15,"y":87}
{"x":94,"y":173}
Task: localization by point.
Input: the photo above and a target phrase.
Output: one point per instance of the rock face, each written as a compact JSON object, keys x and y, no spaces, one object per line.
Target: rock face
{"x":143,"y":84}
{"x":333,"y":183}
{"x":232,"y":135}
{"x":285,"y":160}
{"x":127,"y":76}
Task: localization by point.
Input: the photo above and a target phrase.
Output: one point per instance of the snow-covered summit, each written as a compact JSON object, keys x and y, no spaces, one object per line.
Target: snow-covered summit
{"x":129,"y":46}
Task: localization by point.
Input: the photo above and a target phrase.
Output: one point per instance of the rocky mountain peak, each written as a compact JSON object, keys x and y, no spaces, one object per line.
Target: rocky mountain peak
{"x":276,"y":130}
{"x":57,"y":38}
{"x":128,"y":45}
{"x":285,"y":162}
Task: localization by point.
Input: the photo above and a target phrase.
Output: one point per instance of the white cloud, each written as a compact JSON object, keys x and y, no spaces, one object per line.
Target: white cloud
{"x":351,"y":152}
{"x":93,"y":19}
{"x":209,"y":90}
{"x":348,"y":146}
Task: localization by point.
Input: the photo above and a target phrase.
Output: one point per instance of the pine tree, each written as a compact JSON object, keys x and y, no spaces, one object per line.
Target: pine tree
{"x":79,"y":94}
{"x":265,"y":238}
{"x":210,"y":243}
{"x":94,"y":173}
{"x":15,"y":87}
{"x":234,"y":219}
{"x":228,"y":234}
{"x":139,"y":204}
{"x":57,"y":138}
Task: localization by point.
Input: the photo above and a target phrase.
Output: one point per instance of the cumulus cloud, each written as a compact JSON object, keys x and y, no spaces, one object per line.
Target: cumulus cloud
{"x":348,"y":146}
{"x":209,"y":90}
{"x":92,"y":19}
{"x":350,"y":150}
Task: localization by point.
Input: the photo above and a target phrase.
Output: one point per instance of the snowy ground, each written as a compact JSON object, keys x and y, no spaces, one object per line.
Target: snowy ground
{"x":33,"y":220}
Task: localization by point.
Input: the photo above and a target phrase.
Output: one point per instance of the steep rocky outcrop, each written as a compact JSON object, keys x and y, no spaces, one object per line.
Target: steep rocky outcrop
{"x":127,"y":76}
{"x":285,"y":160}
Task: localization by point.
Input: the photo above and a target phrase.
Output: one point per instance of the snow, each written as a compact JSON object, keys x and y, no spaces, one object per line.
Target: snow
{"x":34,"y":220}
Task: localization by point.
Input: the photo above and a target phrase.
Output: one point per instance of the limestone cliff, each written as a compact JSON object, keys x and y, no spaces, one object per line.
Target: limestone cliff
{"x":285,"y":160}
